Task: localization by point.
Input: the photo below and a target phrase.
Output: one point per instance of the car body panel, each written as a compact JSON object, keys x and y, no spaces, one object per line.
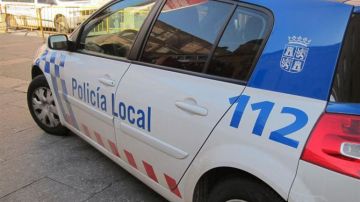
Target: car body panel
{"x":162,"y":92}
{"x":342,"y":108}
{"x":238,"y":147}
{"x":317,"y":184}
{"x":325,"y":31}
{"x":242,"y":129}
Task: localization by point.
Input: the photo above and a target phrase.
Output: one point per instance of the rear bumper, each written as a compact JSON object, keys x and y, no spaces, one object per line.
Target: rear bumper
{"x":317,"y":184}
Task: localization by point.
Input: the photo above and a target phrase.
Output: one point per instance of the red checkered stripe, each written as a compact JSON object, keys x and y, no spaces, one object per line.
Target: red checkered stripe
{"x":112,"y":147}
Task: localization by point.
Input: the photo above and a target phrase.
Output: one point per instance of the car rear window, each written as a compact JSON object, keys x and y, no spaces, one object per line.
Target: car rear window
{"x":346,"y":87}
{"x":183,"y":37}
{"x":190,"y":38}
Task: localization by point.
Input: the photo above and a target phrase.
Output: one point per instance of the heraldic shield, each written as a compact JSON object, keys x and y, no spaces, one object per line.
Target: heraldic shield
{"x":295,"y":54}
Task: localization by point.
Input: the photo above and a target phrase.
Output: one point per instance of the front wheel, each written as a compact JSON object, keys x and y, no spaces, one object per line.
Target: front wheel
{"x":238,"y":189}
{"x":42,"y":107}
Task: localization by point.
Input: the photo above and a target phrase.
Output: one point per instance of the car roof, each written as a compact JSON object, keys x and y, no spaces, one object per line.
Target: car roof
{"x":350,"y":2}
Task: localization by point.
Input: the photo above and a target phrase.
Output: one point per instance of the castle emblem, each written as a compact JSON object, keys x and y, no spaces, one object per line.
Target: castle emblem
{"x":295,"y":54}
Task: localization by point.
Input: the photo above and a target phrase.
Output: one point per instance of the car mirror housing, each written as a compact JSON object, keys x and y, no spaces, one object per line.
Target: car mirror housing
{"x":59,"y":42}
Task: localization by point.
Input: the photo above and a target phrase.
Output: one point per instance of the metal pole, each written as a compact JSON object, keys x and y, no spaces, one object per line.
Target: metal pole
{"x":40,"y":22}
{"x":107,"y":25}
{"x":6,"y":20}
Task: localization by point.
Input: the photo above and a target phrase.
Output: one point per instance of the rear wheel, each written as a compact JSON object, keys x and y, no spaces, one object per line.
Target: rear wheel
{"x":42,"y":107}
{"x":238,"y":189}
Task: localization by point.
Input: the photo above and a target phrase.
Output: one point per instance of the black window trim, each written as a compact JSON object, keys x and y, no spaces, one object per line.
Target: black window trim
{"x":145,"y":30}
{"x":337,"y":67}
{"x":140,"y":44}
{"x":127,"y":59}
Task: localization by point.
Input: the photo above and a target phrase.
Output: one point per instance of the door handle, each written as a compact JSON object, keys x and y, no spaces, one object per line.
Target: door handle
{"x":192,"y":108}
{"x":107,"y":82}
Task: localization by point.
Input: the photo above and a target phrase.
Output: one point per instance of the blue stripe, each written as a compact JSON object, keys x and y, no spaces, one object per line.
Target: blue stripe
{"x":57,"y":71}
{"x":47,"y":67}
{"x":65,"y":94}
{"x":56,"y":91}
{"x":62,"y":60}
{"x":343,"y":108}
{"x":43,"y":56}
{"x":53,"y":57}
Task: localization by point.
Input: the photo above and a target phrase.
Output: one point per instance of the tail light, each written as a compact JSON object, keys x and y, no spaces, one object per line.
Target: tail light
{"x":335,"y":144}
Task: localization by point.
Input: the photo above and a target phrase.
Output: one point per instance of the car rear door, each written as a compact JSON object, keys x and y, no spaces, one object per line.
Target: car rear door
{"x":169,"y":102}
{"x":87,"y":79}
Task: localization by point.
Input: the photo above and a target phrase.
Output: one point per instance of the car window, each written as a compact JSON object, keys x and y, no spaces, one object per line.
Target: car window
{"x":113,"y":31}
{"x":184,"y":34}
{"x":346,"y":87}
{"x":239,"y":45}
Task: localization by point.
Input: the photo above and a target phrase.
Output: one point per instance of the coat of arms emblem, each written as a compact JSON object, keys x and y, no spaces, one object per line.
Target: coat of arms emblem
{"x":295,"y":54}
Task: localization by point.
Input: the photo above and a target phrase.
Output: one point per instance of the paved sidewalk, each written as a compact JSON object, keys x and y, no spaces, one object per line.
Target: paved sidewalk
{"x":35,"y":166}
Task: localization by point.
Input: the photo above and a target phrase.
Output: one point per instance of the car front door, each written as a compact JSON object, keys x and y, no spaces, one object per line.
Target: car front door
{"x":169,"y":102}
{"x":87,"y":79}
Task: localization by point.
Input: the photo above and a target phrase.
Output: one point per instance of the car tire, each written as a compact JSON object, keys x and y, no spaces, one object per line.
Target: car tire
{"x":42,"y":107}
{"x":239,"y":189}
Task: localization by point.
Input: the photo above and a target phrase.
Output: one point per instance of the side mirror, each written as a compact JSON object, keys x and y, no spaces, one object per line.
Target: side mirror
{"x":59,"y":42}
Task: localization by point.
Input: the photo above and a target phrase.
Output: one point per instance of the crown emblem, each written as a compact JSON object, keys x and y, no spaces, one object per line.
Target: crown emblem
{"x":304,"y":41}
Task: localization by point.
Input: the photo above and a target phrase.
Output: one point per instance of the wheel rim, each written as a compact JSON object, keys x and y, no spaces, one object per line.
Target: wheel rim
{"x":236,"y":200}
{"x":44,"y":107}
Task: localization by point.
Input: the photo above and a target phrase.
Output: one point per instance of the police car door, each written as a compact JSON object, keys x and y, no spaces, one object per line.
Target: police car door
{"x":90,"y":76}
{"x":170,"y":101}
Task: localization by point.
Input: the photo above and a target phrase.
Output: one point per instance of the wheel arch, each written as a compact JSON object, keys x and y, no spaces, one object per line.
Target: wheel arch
{"x":211,"y":177}
{"x":216,"y":158}
{"x":36,"y":71}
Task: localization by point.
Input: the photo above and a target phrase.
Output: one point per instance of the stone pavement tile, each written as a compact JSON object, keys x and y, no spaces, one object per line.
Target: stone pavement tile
{"x":46,"y":190}
{"x":25,"y":141}
{"x":21,"y":70}
{"x":6,"y":82}
{"x":14,"y":61}
{"x":15,"y":174}
{"x":22,"y":88}
{"x":16,"y":96}
{"x":71,"y":161}
{"x":74,"y":162}
{"x":11,"y":97}
{"x":5,"y":90}
{"x":129,"y":189}
{"x":22,"y":103}
{"x":18,"y":172}
{"x":14,"y":119}
{"x":90,"y":172}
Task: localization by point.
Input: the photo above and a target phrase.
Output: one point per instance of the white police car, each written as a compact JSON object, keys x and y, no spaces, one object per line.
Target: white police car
{"x":213,"y":100}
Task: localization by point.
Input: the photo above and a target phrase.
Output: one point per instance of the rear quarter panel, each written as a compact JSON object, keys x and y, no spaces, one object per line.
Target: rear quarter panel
{"x":317,"y":184}
{"x":273,"y":162}
{"x":323,"y":24}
